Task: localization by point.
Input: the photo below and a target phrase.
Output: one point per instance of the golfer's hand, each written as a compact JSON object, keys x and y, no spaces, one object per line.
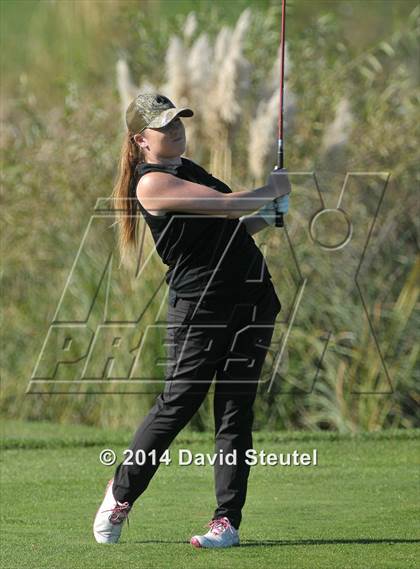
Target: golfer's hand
{"x":279,"y":205}
{"x":279,"y":181}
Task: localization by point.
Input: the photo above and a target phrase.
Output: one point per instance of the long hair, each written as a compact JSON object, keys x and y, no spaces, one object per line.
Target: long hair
{"x":124,"y":194}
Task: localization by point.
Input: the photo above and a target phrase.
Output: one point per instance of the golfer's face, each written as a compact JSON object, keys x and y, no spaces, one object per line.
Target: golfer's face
{"x":168,"y":140}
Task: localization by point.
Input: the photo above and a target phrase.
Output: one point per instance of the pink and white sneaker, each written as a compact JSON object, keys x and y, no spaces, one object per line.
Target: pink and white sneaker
{"x":221,"y":534}
{"x":110,"y":517}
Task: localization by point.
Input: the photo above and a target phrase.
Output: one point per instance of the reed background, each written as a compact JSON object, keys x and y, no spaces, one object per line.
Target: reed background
{"x":68,"y":70}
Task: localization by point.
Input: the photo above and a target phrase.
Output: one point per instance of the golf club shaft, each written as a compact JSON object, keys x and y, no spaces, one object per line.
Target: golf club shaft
{"x":280,"y":145}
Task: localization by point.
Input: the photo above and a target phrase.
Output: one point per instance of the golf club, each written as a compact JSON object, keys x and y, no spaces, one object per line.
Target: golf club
{"x":280,"y":144}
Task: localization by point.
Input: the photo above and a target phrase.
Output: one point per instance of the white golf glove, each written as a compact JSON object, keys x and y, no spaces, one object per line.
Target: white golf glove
{"x":279,"y":205}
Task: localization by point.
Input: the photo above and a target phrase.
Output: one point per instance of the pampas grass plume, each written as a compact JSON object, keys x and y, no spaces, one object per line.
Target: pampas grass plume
{"x":338,"y":132}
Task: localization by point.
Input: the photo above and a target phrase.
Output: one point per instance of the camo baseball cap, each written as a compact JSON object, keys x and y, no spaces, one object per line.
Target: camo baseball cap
{"x":152,"y":111}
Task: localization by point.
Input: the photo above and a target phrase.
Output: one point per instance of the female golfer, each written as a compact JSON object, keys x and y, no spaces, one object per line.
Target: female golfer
{"x":221,"y":313}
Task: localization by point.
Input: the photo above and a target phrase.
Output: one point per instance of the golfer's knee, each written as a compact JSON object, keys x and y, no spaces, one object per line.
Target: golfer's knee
{"x":186,"y":401}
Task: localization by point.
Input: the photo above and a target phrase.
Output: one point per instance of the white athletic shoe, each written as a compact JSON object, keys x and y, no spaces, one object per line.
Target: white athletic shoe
{"x":221,"y":534}
{"x":110,"y":517}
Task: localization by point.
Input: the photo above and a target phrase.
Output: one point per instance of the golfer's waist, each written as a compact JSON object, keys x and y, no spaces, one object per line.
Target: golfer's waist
{"x":248,"y":292}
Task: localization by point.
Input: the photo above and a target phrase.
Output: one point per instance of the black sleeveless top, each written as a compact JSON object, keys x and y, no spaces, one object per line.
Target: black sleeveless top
{"x":216,"y":256}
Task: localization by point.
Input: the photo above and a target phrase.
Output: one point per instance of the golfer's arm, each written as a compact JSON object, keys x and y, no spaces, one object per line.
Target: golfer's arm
{"x":159,"y":190}
{"x":241,"y":204}
{"x":253,"y":223}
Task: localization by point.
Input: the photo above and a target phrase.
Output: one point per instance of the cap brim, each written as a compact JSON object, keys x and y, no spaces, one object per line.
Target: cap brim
{"x":169,"y":115}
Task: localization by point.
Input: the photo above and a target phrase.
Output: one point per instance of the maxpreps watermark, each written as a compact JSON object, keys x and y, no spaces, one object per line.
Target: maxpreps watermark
{"x":185,"y":457}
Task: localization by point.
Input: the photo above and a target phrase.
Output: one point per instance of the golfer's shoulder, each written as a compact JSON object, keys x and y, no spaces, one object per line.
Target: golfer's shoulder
{"x":156,"y":179}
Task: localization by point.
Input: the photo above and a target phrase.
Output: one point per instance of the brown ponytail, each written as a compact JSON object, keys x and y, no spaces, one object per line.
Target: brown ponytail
{"x":124,"y":194}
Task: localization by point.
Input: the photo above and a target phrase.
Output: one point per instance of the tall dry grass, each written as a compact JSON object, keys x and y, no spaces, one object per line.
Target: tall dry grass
{"x":221,"y":71}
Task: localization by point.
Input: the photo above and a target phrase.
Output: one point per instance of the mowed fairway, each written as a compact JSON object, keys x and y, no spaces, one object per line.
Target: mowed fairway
{"x":356,"y":509}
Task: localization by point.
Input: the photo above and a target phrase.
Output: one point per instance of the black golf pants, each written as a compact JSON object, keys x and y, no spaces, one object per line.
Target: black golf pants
{"x":206,"y":340}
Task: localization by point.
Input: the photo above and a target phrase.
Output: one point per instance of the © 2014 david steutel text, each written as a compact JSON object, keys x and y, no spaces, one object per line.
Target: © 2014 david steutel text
{"x":251,"y":457}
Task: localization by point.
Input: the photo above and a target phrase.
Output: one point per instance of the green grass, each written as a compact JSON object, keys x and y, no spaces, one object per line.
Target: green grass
{"x":355,"y":509}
